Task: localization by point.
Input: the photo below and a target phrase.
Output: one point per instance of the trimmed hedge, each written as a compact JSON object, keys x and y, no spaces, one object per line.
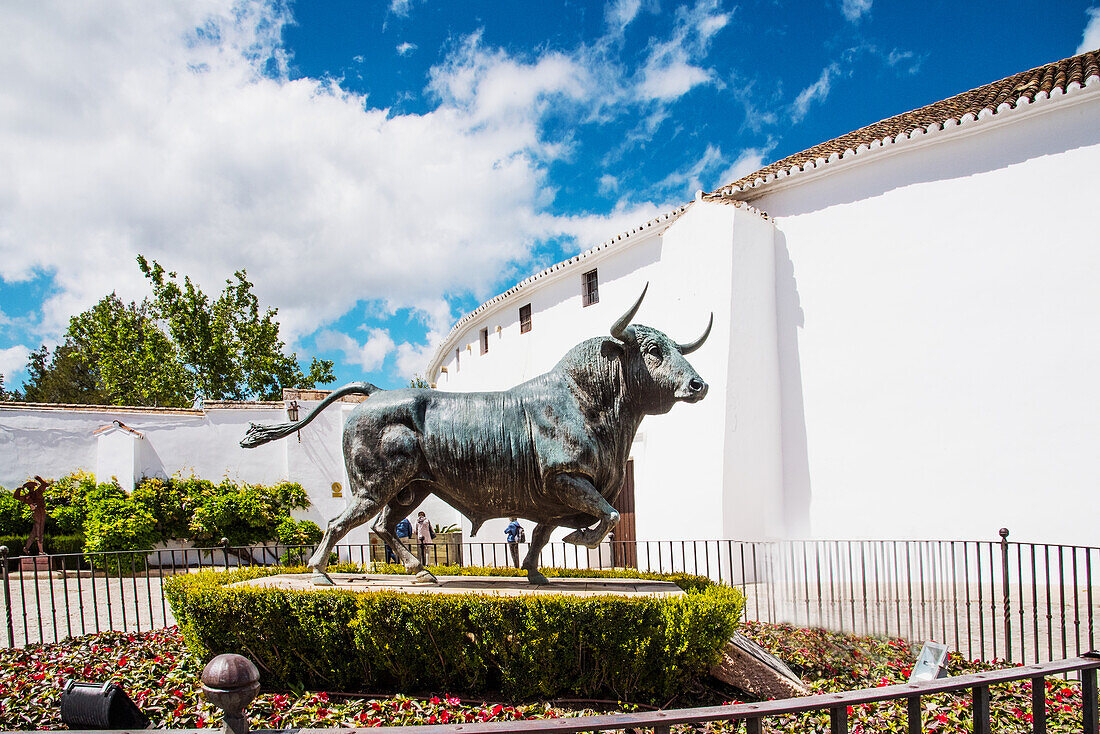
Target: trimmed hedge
{"x":537,"y":646}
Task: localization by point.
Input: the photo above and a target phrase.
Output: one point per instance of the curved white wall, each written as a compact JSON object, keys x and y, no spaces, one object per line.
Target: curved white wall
{"x":938,"y":320}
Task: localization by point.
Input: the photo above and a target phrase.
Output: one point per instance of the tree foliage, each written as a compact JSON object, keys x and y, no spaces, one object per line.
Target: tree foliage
{"x":170,"y":349}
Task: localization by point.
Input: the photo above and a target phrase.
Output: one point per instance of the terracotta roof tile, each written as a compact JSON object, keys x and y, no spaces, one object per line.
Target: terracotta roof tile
{"x":1018,"y":89}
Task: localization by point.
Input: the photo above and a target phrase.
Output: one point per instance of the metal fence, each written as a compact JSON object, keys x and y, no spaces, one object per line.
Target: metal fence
{"x":1023,"y":602}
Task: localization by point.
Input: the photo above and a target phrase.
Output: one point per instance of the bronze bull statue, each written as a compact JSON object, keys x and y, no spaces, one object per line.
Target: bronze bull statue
{"x":552,"y":450}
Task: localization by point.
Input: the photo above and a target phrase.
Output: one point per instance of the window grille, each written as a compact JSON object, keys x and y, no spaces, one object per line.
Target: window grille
{"x":590,"y":288}
{"x":525,"y":319}
{"x":485,"y":340}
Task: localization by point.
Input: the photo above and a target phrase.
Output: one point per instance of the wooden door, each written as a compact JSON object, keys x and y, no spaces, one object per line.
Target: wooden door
{"x":624,"y":549}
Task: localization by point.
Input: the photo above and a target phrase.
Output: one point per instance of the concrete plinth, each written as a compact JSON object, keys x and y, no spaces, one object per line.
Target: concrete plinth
{"x":491,"y":585}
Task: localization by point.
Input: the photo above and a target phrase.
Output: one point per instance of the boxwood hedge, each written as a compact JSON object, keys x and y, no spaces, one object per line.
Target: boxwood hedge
{"x":633,"y":648}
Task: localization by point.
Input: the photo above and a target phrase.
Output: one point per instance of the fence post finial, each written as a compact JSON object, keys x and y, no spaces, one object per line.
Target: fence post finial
{"x":231,"y":682}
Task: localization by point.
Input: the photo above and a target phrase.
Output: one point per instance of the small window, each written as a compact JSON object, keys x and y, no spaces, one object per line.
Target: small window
{"x":485,"y":340}
{"x":590,"y":288}
{"x":525,"y":319}
{"x":457,"y":353}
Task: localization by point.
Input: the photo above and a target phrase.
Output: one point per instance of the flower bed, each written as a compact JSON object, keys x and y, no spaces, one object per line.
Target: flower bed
{"x":160,"y":674}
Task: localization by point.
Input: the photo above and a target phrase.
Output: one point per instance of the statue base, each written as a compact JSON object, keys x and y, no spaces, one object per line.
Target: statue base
{"x":490,"y":585}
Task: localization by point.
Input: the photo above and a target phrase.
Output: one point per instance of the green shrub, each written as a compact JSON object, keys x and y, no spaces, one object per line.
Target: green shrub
{"x":299,"y":535}
{"x":117,"y":523}
{"x":67,"y":503}
{"x":526,"y":646}
{"x":15,"y":517}
{"x":245,"y":513}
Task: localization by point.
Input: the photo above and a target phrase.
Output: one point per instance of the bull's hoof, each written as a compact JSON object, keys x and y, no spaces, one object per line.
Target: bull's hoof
{"x":536,"y":578}
{"x":425,"y":577}
{"x":586,"y":537}
{"x":320,"y":578}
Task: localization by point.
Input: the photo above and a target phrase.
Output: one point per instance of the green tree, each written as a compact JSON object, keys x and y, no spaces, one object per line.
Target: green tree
{"x":232,"y":351}
{"x":171,"y":349}
{"x":66,"y":376}
{"x":135,"y":363}
{"x":6,"y":395}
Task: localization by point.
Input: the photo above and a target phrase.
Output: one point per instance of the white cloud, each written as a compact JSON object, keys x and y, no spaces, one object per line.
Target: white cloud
{"x":406,"y":48}
{"x":1090,"y":39}
{"x":621,"y":13}
{"x":162,"y":129}
{"x":401,"y":7}
{"x":608,"y":184}
{"x":816,"y":92}
{"x":13,"y":361}
{"x":688,"y":181}
{"x":751,"y":159}
{"x":670,"y":70}
{"x":854,"y":10}
{"x":368,"y":355}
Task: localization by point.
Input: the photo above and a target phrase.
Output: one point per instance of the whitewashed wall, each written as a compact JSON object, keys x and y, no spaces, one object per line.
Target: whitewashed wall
{"x":938,"y":323}
{"x":54,"y":442}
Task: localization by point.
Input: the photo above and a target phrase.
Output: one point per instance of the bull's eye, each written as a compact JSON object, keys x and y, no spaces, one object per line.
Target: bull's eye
{"x":653,"y":350}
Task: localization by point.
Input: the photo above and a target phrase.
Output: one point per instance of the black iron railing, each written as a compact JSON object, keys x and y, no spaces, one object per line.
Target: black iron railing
{"x":1024,"y":602}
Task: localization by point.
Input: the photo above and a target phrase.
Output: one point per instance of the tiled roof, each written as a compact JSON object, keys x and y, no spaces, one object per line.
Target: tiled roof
{"x":1019,"y":90}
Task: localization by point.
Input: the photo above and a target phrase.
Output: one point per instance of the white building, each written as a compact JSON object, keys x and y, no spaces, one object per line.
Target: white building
{"x":906,"y":340}
{"x":905,"y":343}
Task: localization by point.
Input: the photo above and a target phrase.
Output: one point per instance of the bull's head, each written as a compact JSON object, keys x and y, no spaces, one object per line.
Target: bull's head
{"x":654,"y":364}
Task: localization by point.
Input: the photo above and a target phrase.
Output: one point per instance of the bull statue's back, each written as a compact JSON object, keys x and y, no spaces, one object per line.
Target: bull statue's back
{"x":552,"y":450}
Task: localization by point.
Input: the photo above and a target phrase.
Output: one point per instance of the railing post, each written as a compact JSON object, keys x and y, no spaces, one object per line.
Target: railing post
{"x":1089,"y":718}
{"x":225,"y":551}
{"x":1003,"y":532}
{"x":231,"y":682}
{"x":981,"y":709}
{"x":913,"y":714}
{"x":838,"y":720}
{"x":1039,"y":705}
{"x":7,"y":597}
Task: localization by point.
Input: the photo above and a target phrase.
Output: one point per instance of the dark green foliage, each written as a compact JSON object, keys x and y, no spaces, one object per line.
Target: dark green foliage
{"x":66,"y":377}
{"x":116,"y":522}
{"x":299,"y":536}
{"x":530,"y":646}
{"x":169,"y":350}
{"x":15,"y":517}
{"x":230,"y":349}
{"x":243,"y":513}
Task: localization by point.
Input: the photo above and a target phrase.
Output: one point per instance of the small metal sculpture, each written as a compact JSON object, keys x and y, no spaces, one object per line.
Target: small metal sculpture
{"x":33,"y":494}
{"x":552,"y":450}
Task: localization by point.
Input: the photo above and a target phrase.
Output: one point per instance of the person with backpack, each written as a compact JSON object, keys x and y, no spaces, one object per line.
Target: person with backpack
{"x":404,"y":530}
{"x":424,"y":534}
{"x":515,"y":535}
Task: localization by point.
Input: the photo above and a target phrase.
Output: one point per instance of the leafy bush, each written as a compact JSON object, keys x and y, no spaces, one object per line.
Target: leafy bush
{"x":15,"y":517}
{"x":116,"y":522}
{"x":299,"y":535}
{"x":245,"y":513}
{"x":524,"y":646}
{"x":67,"y":503}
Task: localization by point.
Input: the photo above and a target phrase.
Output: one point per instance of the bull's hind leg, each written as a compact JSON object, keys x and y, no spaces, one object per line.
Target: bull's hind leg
{"x":377,"y":470}
{"x":386,"y":527}
{"x":539,"y":537}
{"x":578,"y":492}
{"x":358,"y":512}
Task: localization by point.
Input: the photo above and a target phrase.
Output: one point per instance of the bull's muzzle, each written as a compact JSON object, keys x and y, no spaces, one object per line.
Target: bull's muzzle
{"x":694,"y":391}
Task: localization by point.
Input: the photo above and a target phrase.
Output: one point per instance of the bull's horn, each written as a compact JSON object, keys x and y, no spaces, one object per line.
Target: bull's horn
{"x":618,"y":329}
{"x":689,"y":348}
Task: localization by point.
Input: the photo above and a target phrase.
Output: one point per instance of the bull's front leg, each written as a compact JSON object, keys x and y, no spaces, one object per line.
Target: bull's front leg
{"x":577,"y":492}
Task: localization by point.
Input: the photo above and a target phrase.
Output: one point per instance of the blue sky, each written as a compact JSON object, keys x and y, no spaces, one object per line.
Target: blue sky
{"x":380,"y":168}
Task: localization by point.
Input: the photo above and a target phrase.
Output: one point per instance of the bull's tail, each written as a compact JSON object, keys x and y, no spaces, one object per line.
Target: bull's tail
{"x":258,"y":435}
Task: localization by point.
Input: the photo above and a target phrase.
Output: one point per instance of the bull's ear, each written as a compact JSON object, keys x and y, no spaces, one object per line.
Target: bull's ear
{"x":612,"y":348}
